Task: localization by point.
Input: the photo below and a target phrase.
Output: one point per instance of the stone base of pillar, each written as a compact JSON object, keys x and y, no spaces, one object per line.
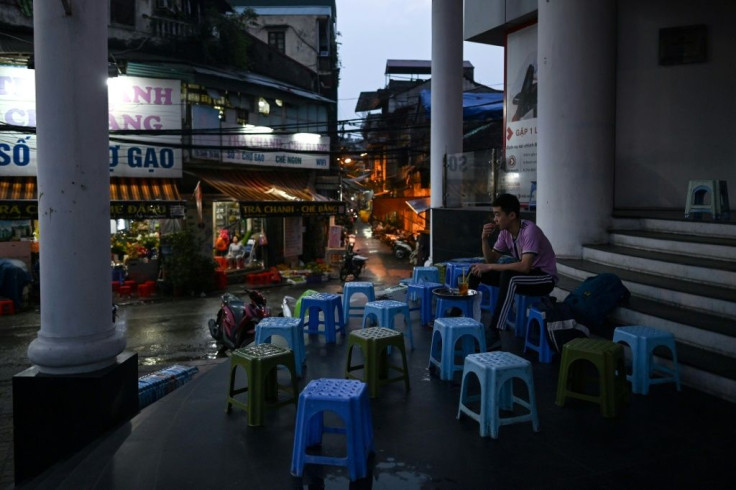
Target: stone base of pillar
{"x":56,"y":415}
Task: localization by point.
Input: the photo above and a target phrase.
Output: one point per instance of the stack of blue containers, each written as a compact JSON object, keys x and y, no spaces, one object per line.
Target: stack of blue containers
{"x":153,"y":386}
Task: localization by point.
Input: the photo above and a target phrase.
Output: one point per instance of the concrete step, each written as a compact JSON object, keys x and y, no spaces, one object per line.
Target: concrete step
{"x":676,"y":244}
{"x":677,"y":224}
{"x":682,"y":267}
{"x":706,"y":299}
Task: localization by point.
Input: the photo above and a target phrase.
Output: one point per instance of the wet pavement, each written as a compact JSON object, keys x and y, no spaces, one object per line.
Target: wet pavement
{"x":164,"y":331}
{"x":667,"y":439}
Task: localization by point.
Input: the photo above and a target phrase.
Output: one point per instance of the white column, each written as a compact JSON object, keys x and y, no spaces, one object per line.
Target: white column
{"x":576,"y":99}
{"x":77,"y":334}
{"x":446,"y":133}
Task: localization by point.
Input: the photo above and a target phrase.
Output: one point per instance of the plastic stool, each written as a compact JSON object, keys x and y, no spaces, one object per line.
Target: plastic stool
{"x":518,"y":322}
{"x":422,"y":292}
{"x":447,"y":331}
{"x":428,"y":274}
{"x":355,"y":287}
{"x":718,"y":206}
{"x":542,"y":347}
{"x":349,"y":400}
{"x":221,"y":263}
{"x":144,"y":291}
{"x":115,"y":286}
{"x":608,"y":359}
{"x":495,"y":371}
{"x":290,"y":329}
{"x":643,"y":341}
{"x":464,"y":303}
{"x":455,"y":270}
{"x":132,"y":285}
{"x":385,"y":311}
{"x":375,"y":343}
{"x":124,"y":291}
{"x":489,"y":298}
{"x":260,"y":362}
{"x":7,"y":307}
{"x":329,"y":304}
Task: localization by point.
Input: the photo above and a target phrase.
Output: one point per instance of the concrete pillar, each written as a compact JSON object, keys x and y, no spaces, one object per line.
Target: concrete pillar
{"x":446,"y":133}
{"x":576,"y":98}
{"x":77,"y":334}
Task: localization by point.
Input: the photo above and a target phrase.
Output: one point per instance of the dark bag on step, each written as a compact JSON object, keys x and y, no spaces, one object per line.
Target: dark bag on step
{"x":595,"y":298}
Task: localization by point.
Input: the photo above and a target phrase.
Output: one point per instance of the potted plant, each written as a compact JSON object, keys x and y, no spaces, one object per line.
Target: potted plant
{"x":186,"y":270}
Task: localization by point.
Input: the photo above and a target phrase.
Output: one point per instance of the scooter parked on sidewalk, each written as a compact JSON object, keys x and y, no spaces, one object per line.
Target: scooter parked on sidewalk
{"x":236,"y":321}
{"x":354,"y":263}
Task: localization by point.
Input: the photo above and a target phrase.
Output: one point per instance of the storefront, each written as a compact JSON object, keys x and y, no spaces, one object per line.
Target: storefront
{"x":278,"y":210}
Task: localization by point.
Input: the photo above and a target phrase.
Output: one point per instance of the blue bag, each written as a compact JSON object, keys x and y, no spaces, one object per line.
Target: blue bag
{"x":595,"y":298}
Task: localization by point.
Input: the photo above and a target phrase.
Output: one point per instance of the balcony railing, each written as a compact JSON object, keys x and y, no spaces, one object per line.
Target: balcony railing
{"x":165,"y":27}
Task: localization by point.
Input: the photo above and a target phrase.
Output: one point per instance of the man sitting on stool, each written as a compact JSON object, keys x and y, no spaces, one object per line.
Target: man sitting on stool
{"x":535,"y":272}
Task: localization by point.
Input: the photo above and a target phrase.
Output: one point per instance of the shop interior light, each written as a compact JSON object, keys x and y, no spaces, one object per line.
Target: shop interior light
{"x":279,"y":192}
{"x":250,"y":128}
{"x":279,"y":102}
{"x":263,"y":106}
{"x":307,"y":137}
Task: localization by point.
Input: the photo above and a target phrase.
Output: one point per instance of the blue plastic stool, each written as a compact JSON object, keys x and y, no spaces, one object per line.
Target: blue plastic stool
{"x":422,"y":292}
{"x":495,"y":371}
{"x":542,"y":347}
{"x":428,"y":274}
{"x":290,"y":329}
{"x":489,"y":298}
{"x":643,"y":341}
{"x":329,"y":304}
{"x":448,"y":331}
{"x":522,"y":302}
{"x":464,"y":303}
{"x":355,"y":287}
{"x":384,"y":312}
{"x":349,"y":400}
{"x":453,"y":271}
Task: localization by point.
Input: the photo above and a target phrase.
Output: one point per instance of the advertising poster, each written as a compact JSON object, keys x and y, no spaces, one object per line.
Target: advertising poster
{"x":521,"y":113}
{"x":149,"y":108}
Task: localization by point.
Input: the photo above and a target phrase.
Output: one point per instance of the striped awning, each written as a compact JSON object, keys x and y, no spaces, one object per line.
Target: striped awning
{"x":272,"y":194}
{"x":129,"y":198}
{"x":261,"y":186}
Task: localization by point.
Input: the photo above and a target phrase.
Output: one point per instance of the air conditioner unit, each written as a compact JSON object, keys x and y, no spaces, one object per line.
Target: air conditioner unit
{"x":324,"y":53}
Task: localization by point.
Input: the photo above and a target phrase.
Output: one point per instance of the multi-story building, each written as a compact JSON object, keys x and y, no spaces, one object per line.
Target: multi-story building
{"x":396,"y":137}
{"x":242,"y":119}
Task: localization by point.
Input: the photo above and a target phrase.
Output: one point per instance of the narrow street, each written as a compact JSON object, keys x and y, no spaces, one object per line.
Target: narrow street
{"x":165,"y":331}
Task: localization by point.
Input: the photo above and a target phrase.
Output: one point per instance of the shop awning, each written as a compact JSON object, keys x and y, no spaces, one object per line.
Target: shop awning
{"x":264,"y":194}
{"x":132,"y":198}
{"x":129,"y":198}
{"x":419,"y":205}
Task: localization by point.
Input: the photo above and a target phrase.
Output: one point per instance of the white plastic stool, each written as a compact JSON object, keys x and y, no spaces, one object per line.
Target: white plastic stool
{"x":352,"y":288}
{"x":496,"y":371}
{"x":718,"y":207}
{"x":448,"y":331}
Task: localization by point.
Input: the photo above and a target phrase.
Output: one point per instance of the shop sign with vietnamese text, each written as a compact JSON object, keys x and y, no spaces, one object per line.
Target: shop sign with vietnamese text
{"x":265,"y":209}
{"x":148,"y":105}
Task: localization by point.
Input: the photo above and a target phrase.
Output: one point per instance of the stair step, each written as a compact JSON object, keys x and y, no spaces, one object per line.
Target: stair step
{"x":674,"y":222}
{"x":696,"y":269}
{"x":716,"y":300}
{"x":677,"y":244}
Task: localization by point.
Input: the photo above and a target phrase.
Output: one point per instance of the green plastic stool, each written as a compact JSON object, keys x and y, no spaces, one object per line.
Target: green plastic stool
{"x":298,"y":306}
{"x":608,"y":359}
{"x":375,"y":343}
{"x":260,"y":363}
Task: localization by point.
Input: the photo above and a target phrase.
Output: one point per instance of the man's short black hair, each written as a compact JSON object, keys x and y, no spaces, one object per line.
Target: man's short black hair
{"x":508,"y":203}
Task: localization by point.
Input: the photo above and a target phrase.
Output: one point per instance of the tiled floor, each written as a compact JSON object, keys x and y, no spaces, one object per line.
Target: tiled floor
{"x":185,"y":440}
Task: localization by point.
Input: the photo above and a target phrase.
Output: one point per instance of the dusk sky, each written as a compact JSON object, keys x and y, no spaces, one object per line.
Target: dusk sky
{"x":373,"y":31}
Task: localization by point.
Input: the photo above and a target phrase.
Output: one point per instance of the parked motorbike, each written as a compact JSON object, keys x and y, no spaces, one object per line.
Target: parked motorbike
{"x":236,"y":321}
{"x":354,"y":263}
{"x":404,"y":246}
